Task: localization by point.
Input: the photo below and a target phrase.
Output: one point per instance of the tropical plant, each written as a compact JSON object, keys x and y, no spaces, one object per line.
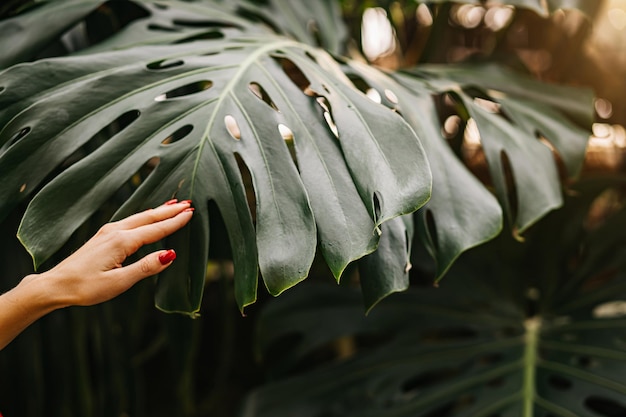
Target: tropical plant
{"x":515,"y":329}
{"x":289,"y":144}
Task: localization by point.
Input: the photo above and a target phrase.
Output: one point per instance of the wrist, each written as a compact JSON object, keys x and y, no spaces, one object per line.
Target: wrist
{"x":41,"y":293}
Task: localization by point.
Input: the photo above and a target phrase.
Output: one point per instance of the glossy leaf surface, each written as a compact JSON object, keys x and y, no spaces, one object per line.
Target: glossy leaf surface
{"x":190,"y":109}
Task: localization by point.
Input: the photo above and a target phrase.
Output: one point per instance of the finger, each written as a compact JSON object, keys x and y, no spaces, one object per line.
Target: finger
{"x":154,"y":232}
{"x":147,"y":266}
{"x":162,"y":212}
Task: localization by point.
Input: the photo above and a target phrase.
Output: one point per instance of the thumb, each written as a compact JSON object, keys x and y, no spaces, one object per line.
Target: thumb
{"x":149,"y":265}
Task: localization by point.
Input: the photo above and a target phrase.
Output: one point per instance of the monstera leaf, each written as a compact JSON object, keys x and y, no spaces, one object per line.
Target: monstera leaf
{"x":192,"y":110}
{"x":516,"y":118}
{"x":533,"y":329}
{"x":193,"y":99}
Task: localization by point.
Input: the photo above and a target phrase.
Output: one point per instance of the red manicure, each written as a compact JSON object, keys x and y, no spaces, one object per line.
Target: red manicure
{"x":167,"y":257}
{"x":189,"y":209}
{"x":186,"y":201}
{"x":170,"y":202}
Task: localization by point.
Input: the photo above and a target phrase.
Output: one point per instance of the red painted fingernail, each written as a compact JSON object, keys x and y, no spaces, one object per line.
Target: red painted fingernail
{"x":170,"y":202}
{"x":186,"y":201}
{"x":189,"y":209}
{"x":167,"y":257}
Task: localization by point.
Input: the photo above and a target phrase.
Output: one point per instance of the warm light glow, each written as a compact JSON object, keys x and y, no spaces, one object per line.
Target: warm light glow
{"x":374,"y":95}
{"x":469,"y":16}
{"x":604,"y":108}
{"x":497,"y":17}
{"x":423,"y":15}
{"x":377,"y":34}
{"x":472,"y":135}
{"x":617,"y":17}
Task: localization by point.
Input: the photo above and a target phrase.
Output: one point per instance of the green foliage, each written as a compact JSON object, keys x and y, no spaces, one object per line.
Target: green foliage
{"x":532,"y":329}
{"x":260,"y":112}
{"x":194,"y":97}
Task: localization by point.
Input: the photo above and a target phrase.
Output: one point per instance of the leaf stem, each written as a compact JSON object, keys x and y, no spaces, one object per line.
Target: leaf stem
{"x":533,"y":327}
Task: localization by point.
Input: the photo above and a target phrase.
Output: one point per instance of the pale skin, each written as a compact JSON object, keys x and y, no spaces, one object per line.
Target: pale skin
{"x":95,"y":272}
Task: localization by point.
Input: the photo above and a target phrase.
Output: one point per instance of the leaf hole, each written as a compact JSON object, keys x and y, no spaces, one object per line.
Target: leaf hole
{"x":310,"y":56}
{"x":161,"y":6}
{"x":585,"y":362}
{"x":391,"y":96}
{"x":246,"y":178}
{"x":204,"y":24}
{"x":362,"y":85}
{"x":328,"y":117}
{"x":431,"y":227}
{"x":185,"y":90}
{"x":374,"y":95}
{"x":232,"y":127}
{"x":165,"y":64}
{"x":1,"y":89}
{"x":257,"y":17}
{"x":161,"y":28}
{"x":100,"y":138}
{"x":560,"y":163}
{"x":488,"y":105}
{"x":377,"y":203}
{"x":260,"y":92}
{"x":610,"y":310}
{"x":177,"y":135}
{"x":17,"y":136}
{"x":605,"y":406}
{"x":295,"y":74}
{"x":451,"y":126}
{"x":287,"y":134}
{"x":142,"y":173}
{"x":511,"y":189}
{"x":559,"y":383}
{"x":211,"y":35}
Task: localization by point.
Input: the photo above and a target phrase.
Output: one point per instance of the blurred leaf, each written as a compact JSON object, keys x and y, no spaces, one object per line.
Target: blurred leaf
{"x":25,"y":42}
{"x":492,"y":341}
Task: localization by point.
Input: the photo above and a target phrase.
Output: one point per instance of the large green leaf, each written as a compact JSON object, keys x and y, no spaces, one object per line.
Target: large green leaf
{"x":512,"y":113}
{"x":185,"y":94}
{"x":462,"y":213}
{"x":503,"y":336}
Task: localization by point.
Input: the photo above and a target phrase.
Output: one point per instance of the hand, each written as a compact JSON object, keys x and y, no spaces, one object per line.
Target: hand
{"x":95,"y":272}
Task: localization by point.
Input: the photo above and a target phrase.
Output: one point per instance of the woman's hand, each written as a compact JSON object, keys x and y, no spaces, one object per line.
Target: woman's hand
{"x":94,"y":273}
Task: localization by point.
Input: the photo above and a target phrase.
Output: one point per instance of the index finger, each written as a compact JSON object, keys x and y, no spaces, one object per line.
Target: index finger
{"x":153,"y":232}
{"x":162,"y":212}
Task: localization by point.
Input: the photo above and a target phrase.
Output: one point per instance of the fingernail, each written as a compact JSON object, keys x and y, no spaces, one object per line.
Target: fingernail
{"x":167,"y":257}
{"x":189,"y":209}
{"x":186,"y":201}
{"x":170,"y":202}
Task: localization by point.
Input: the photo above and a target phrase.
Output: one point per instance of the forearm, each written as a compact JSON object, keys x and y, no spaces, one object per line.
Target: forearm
{"x":30,"y":300}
